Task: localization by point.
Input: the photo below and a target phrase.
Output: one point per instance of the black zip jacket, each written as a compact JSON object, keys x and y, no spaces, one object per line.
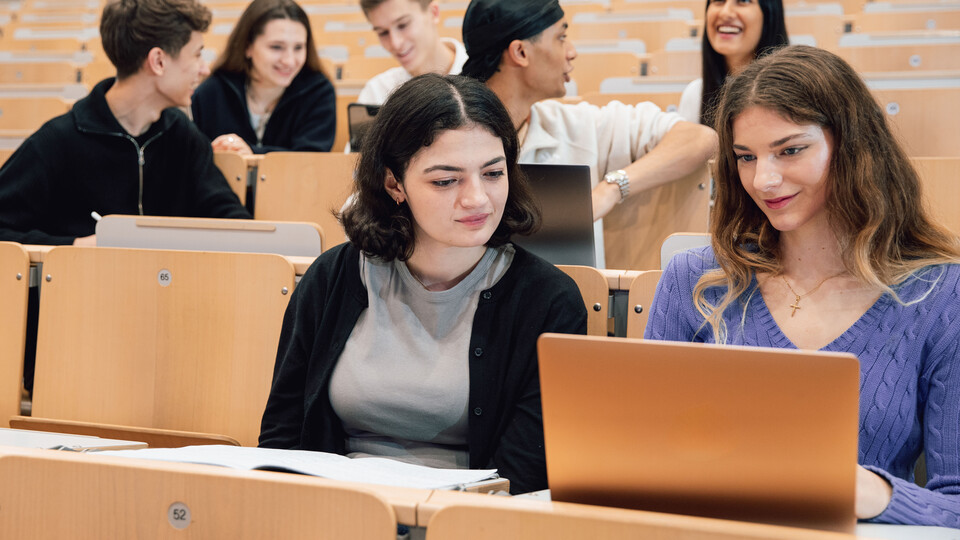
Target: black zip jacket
{"x":84,"y":161}
{"x":505,"y":426}
{"x":304,"y":120}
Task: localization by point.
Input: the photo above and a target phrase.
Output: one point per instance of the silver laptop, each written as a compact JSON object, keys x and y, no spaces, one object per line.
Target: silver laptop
{"x":564,"y":195}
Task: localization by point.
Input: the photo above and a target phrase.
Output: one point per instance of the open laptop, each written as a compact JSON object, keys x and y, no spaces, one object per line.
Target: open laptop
{"x":743,"y":433}
{"x":564,"y":195}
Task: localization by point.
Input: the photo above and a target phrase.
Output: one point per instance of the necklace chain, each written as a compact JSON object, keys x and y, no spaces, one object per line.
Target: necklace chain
{"x":797,"y":296}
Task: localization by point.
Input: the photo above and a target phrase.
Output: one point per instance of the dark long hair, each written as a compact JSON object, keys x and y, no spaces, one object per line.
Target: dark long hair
{"x":413,"y":117}
{"x":233,"y":59}
{"x":772,"y":36}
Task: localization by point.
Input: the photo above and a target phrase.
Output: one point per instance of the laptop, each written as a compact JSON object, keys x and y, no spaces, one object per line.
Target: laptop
{"x":564,"y":194}
{"x":359,"y":119}
{"x":742,"y":433}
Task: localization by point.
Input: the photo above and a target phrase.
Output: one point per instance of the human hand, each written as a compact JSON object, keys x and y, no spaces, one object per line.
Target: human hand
{"x":605,"y":197}
{"x":873,"y":494}
{"x":231,"y":142}
{"x":89,"y":241}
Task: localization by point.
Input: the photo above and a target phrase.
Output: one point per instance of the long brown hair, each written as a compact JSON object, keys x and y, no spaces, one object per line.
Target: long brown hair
{"x":875,"y":204}
{"x":233,"y":59}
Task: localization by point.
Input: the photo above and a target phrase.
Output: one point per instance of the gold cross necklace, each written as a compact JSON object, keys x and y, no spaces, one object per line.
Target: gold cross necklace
{"x":797,"y":297}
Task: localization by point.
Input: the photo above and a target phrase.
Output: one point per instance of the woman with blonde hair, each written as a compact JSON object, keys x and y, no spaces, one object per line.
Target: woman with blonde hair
{"x":820,"y":241}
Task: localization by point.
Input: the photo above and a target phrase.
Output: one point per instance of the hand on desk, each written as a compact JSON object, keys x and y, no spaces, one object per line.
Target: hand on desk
{"x":90,"y":241}
{"x":873,"y":494}
{"x":231,"y":142}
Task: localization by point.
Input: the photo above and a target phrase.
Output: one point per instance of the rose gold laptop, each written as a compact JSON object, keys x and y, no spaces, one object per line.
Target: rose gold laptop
{"x":743,"y":433}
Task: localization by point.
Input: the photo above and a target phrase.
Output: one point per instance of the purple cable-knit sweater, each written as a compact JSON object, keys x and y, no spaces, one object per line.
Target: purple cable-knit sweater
{"x":909,"y":375}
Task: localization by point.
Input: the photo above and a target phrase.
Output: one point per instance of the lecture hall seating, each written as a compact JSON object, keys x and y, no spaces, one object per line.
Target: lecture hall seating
{"x":14,"y":285}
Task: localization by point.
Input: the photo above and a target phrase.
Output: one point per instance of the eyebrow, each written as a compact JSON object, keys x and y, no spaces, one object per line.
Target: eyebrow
{"x":452,"y":168}
{"x":775,"y":143}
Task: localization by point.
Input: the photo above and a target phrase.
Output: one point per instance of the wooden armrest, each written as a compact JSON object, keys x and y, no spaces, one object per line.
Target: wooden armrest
{"x":154,"y":437}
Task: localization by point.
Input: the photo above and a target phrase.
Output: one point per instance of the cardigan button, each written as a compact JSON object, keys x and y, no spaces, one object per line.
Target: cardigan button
{"x":487,"y":295}
{"x":477,"y":411}
{"x":478,"y":352}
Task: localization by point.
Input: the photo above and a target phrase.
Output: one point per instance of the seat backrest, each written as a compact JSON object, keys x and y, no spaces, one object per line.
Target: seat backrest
{"x":27,"y":114}
{"x":593,"y":68}
{"x":595,"y":292}
{"x":38,"y":72}
{"x":639,"y":300}
{"x":941,"y":190}
{"x":51,"y":495}
{"x":634,"y":230}
{"x":234,"y":169}
{"x":901,"y":51}
{"x":289,"y":238}
{"x":682,"y":241}
{"x":537,"y":520}
{"x":916,"y":117}
{"x":14,"y":286}
{"x":305,"y":186}
{"x":180,"y":340}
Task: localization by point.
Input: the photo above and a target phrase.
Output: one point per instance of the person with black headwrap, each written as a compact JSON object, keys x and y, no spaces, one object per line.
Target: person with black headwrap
{"x":520,"y":49}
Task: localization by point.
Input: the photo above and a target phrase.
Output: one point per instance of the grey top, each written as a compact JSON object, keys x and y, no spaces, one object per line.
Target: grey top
{"x":402,"y":383}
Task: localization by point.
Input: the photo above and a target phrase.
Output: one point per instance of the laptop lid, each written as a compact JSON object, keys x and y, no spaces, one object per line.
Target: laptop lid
{"x":743,"y":433}
{"x":359,"y":119}
{"x":564,"y":194}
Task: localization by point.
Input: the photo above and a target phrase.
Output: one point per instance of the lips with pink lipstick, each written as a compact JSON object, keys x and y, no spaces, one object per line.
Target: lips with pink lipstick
{"x":779,"y":202}
{"x":476,"y":220}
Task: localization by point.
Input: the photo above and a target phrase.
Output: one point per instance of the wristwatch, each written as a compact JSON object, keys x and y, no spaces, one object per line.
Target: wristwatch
{"x":621,"y":179}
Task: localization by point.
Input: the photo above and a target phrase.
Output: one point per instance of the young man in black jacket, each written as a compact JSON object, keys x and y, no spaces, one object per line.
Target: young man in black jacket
{"x":123,"y":149}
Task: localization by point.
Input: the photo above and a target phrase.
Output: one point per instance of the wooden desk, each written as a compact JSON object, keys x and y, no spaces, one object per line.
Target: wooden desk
{"x":25,"y":438}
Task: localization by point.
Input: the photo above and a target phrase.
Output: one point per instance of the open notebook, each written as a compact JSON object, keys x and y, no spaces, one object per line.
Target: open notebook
{"x":745,"y":433}
{"x":381,"y":471}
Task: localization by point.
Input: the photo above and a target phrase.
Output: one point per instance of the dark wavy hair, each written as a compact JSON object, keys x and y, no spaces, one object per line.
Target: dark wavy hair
{"x":130,"y":28}
{"x":875,"y":205}
{"x":772,"y":36}
{"x":411,"y":119}
{"x":233,"y":59}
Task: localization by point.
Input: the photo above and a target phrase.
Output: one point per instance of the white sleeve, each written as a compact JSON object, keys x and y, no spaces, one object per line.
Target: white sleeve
{"x":690,"y":101}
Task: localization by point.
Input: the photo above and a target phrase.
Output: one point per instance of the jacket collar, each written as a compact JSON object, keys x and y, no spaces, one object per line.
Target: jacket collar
{"x":537,"y":138}
{"x":92,"y":114}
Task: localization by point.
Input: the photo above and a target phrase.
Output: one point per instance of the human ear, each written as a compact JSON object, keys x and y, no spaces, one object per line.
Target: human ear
{"x":516,"y":53}
{"x":393,"y":187}
{"x":154,"y":62}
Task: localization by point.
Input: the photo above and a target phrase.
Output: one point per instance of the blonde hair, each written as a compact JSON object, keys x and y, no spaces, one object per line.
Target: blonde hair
{"x":883,"y":231}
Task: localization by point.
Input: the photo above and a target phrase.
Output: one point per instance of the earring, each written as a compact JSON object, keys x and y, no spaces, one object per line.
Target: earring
{"x":398,"y":201}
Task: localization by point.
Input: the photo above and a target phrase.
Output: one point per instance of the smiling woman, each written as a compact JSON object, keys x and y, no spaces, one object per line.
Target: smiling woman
{"x":267,"y":91}
{"x":417,"y":339}
{"x":736,"y":32}
{"x":820,"y":240}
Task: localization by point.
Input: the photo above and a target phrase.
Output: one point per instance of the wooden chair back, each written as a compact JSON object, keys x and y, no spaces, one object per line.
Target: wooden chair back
{"x":479,"y":517}
{"x":592,"y":69}
{"x":901,"y":51}
{"x":305,"y":186}
{"x":595,"y":292}
{"x":941,"y":188}
{"x":363,"y":68}
{"x":51,"y":495}
{"x":180,"y":340}
{"x":634,"y":230}
{"x":234,"y":169}
{"x":917,"y":116}
{"x":39,"y":72}
{"x":14,"y":286}
{"x":27,"y":114}
{"x":639,"y":300}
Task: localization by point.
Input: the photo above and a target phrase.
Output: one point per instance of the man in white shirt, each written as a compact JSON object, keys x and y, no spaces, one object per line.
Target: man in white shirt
{"x":520,"y":49}
{"x":408,"y":30}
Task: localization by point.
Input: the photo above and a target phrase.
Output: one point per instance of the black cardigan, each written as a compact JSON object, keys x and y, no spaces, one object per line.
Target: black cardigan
{"x":84,"y":161}
{"x":505,"y":426}
{"x":305,"y":118}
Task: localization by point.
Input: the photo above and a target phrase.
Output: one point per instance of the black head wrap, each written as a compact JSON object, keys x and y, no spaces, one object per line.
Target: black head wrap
{"x":490,"y":25}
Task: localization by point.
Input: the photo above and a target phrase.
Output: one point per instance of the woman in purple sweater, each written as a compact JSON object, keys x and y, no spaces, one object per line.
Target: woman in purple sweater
{"x":820,"y":241}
